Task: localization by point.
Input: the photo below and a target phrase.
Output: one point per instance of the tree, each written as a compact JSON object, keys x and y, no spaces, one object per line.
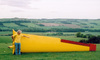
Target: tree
{"x":81,"y":35}
{"x":84,"y":36}
{"x":59,"y":33}
{"x":94,"y":39}
{"x":78,"y":34}
{"x":83,"y":41}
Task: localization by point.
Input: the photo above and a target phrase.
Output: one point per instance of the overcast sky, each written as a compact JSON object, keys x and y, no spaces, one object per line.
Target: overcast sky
{"x":84,"y":9}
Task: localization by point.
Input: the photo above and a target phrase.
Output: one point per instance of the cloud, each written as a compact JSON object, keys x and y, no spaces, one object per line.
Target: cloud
{"x":16,"y":3}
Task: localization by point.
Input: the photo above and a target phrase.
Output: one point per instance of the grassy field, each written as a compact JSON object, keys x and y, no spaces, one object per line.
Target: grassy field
{"x":6,"y":53}
{"x":10,"y":24}
{"x":30,"y":24}
{"x":53,"y":23}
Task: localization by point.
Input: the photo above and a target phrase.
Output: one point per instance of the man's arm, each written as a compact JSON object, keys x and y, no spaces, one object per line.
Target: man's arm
{"x":12,"y":37}
{"x":25,"y":36}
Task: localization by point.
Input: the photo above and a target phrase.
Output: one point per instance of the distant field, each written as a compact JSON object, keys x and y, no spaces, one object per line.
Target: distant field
{"x":4,"y":28}
{"x":30,"y":24}
{"x":55,"y":24}
{"x":10,"y":24}
{"x":19,"y":23}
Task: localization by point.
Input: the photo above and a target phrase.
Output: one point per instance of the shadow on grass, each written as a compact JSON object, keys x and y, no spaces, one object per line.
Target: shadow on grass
{"x":57,"y":52}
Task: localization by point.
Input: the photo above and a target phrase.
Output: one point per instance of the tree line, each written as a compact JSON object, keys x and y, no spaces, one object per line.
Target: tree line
{"x":36,"y":29}
{"x":91,"y":38}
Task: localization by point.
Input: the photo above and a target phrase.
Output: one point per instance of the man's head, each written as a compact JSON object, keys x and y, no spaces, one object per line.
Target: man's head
{"x":19,"y":32}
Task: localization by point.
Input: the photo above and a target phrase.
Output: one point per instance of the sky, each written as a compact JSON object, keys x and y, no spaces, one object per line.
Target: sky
{"x":81,"y":9}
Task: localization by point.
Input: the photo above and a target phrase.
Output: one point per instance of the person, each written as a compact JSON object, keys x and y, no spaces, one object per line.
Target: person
{"x":16,"y":38}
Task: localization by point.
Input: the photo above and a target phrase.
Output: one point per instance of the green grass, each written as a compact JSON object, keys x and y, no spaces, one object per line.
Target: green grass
{"x":5,"y":39}
{"x":7,"y":32}
{"x":6,"y":53}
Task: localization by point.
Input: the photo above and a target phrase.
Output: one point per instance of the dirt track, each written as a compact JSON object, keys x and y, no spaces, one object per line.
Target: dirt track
{"x":55,"y":24}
